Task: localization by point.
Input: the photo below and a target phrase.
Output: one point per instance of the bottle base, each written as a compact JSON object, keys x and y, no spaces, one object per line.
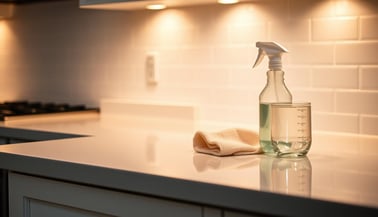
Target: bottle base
{"x":283,"y":149}
{"x":291,"y":149}
{"x":285,"y":155}
{"x":289,"y":155}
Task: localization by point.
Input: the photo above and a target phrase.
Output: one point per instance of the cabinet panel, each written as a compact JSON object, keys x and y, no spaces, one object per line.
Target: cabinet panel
{"x":3,"y":141}
{"x":37,"y":208}
{"x":238,"y":214}
{"x":218,"y":212}
{"x":3,"y":193}
{"x":29,"y":194}
{"x":211,"y":212}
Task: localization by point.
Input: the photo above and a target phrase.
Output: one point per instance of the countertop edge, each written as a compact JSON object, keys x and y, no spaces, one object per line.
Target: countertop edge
{"x":207,"y":194}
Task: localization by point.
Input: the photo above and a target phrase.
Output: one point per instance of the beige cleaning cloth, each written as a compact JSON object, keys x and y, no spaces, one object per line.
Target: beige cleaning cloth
{"x":227,"y":142}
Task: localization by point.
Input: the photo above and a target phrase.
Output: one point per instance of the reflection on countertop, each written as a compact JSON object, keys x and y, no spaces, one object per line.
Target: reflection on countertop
{"x":204,"y":162}
{"x":290,"y":176}
{"x":286,"y":175}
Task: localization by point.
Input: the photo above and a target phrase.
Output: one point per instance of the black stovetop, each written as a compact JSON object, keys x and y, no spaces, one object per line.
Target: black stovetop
{"x":20,"y":108}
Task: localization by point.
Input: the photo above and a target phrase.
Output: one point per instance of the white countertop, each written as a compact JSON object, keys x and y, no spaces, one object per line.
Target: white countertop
{"x":155,"y":159}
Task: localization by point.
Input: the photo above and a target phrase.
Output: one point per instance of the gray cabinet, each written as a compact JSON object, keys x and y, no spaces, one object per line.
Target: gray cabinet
{"x":40,"y":197}
{"x":238,"y":214}
{"x":31,"y":196}
{"x":3,"y":141}
{"x":212,"y":212}
{"x":217,"y":212}
{"x":13,"y":135}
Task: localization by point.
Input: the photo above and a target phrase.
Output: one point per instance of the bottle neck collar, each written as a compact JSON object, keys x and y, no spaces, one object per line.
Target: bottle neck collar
{"x":275,"y":62}
{"x":275,"y":75}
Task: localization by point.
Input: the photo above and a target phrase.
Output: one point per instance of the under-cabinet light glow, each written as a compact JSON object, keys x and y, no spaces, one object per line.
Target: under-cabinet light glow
{"x":156,"y":7}
{"x":228,"y":1}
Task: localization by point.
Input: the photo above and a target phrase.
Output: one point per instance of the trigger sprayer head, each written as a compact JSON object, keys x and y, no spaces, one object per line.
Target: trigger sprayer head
{"x":274,"y":51}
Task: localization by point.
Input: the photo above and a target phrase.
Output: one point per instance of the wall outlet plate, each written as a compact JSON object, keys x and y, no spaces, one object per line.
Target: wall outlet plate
{"x":151,"y":68}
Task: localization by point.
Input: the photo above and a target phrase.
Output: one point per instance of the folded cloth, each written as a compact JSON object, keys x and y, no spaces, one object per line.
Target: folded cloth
{"x":227,"y":142}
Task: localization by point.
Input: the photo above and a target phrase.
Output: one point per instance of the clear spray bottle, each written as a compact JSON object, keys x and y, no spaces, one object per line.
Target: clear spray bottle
{"x":274,"y":91}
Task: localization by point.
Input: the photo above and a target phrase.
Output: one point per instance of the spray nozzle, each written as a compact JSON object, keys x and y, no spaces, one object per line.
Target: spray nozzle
{"x":274,"y":51}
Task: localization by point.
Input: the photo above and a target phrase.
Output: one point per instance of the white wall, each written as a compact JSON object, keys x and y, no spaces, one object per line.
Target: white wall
{"x":57,"y":52}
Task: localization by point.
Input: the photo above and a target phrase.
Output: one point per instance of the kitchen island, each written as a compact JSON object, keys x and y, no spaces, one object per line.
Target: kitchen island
{"x":122,"y":168}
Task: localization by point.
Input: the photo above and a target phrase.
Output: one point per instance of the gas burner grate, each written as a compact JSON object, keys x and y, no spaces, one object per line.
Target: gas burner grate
{"x":8,"y":110}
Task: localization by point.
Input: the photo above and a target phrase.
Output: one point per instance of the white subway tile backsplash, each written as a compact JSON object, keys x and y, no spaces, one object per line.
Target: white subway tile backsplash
{"x":290,"y":30}
{"x":339,"y":28}
{"x":231,"y":97}
{"x":297,"y":76}
{"x":336,"y":77}
{"x":312,"y":54}
{"x":247,"y":77}
{"x":206,"y":55}
{"x":169,"y":29}
{"x":195,"y":76}
{"x":247,"y":33}
{"x":244,"y":115}
{"x":369,"y":27}
{"x":364,"y":102}
{"x":328,"y":142}
{"x":369,"y":78}
{"x":369,"y":145}
{"x":150,"y":109}
{"x":361,"y":53}
{"x":169,"y":56}
{"x":233,"y":55}
{"x":193,"y":56}
{"x":336,"y":122}
{"x":352,"y":8}
{"x":310,"y":8}
{"x":178,"y":76}
{"x":369,"y":124}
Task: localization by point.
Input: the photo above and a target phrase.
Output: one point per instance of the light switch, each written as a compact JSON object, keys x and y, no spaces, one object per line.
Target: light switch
{"x":152,"y":70}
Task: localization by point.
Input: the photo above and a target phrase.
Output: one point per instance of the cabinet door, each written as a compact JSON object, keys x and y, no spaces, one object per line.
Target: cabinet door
{"x":3,"y":141}
{"x":3,"y":193}
{"x":211,"y":212}
{"x":38,"y":197}
{"x":238,"y":214}
{"x":217,"y":212}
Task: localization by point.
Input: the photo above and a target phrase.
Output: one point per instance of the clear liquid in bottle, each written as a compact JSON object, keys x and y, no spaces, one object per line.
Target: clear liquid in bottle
{"x":265,"y":135}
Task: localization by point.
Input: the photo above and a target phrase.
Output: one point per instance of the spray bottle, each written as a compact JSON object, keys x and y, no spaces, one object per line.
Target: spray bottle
{"x":274,"y":91}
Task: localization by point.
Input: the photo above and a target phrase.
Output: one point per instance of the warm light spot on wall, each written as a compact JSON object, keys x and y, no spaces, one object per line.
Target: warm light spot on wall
{"x":170,"y":19}
{"x":156,"y":7}
{"x":228,"y":1}
{"x":341,"y":7}
{"x":351,"y":8}
{"x":11,"y":82}
{"x":239,"y":14}
{"x":5,"y":35}
{"x":167,"y":28}
{"x":9,"y":85}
